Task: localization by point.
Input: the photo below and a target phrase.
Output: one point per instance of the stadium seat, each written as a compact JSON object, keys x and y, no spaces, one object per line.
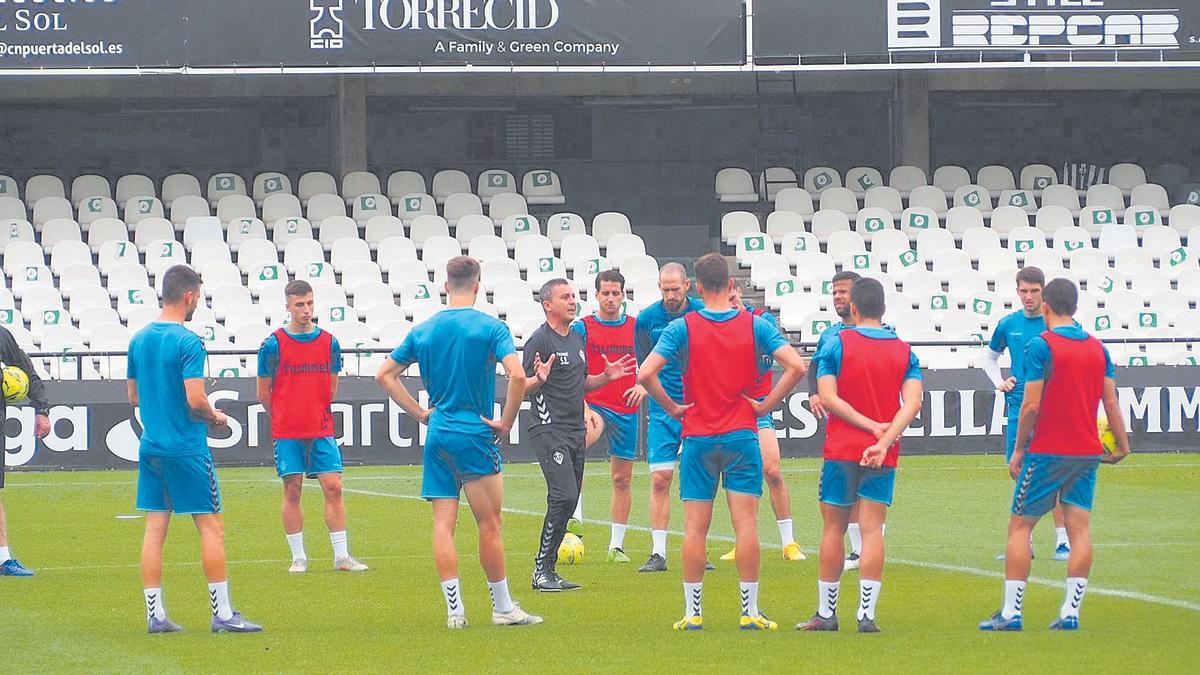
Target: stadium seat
{"x":209,"y":251}
{"x":839,"y":199}
{"x":15,"y":230}
{"x":413,"y":206}
{"x":379,"y":228}
{"x":861,"y":179}
{"x":1046,"y":259}
{"x":979,"y":239}
{"x":1148,"y":282}
{"x":931,"y":242}
{"x":217,"y":274}
{"x":196,"y":229}
{"x":1107,"y":196}
{"x":403,"y":271}
{"x":438,"y":250}
{"x":461,"y":204}
{"x":493,"y":182}
{"x":315,"y":183}
{"x":996,"y":263}
{"x":1024,"y":239}
{"x":361,"y":275}
{"x":358,"y":183}
{"x":1141,"y":216}
{"x":918,"y":219}
{"x":137,"y":209}
{"x":1116,"y":238}
{"x":300,"y":252}
{"x":781,"y":289}
{"x":192,"y":206}
{"x":561,"y":225}
{"x":1160,"y":240}
{"x":448,"y":182}
{"x":417,"y":293}
{"x":813,"y":268}
{"x":843,"y":242}
{"x":269,"y":184}
{"x":425,"y":227}
{"x":473,"y":226}
{"x":886,"y":198}
{"x":861,"y":261}
{"x":1103,"y":281}
{"x":886,"y":241}
{"x":1061,"y":195}
{"x":506,"y":205}
{"x":584,"y":275}
{"x":1070,"y":239}
{"x":60,"y":229}
{"x":987,"y":306}
{"x":92,"y":209}
{"x":20,"y":255}
{"x":365,"y":207}
{"x":1020,"y":199}
{"x":161,"y":254}
{"x":48,"y":208}
{"x":280,"y":205}
{"x":577,"y":246}
{"x":1095,"y":218}
{"x":76,"y":276}
{"x":795,"y":308}
{"x":827,"y":222}
{"x":818,"y":178}
{"x":488,"y":246}
{"x":128,"y":276}
{"x":87,"y":186}
{"x":609,"y":224}
{"x":532,"y":247}
{"x":774,"y":179}
{"x":104,"y":328}
{"x":929,"y":197}
{"x":152,"y":230}
{"x":235,"y":207}
{"x":508,"y":292}
{"x":995,"y":178}
{"x":950,"y":262}
{"x":9,"y":188}
{"x":796,"y":200}
{"x":798,"y":242}
{"x":736,"y":223}
{"x":113,"y":253}
{"x":637,"y":267}
{"x":958,"y":324}
{"x":735,"y":185}
{"x":41,"y":186}
{"x":321,"y":207}
{"x":903,"y":262}
{"x":264,"y":274}
{"x":544,"y":269}
{"x":396,"y":248}
{"x":221,"y":185}
{"x":242,"y":230}
{"x":1126,"y":176}
{"x":782,"y":223}
{"x":542,"y":187}
{"x":254,"y":251}
{"x":335,"y":228}
{"x":974,"y":196}
{"x":1038,"y":177}
{"x":1184,"y":217}
{"x":516,"y":226}
{"x":11,"y":208}
{"x":179,"y":185}
{"x":905,"y":179}
{"x":66,"y":252}
{"x":402,"y":183}
{"x":962,"y":218}
{"x":1153,"y":195}
{"x":950,"y":178}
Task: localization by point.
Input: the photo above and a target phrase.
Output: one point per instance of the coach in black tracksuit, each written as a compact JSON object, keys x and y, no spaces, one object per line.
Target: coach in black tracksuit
{"x":556,"y":380}
{"x":11,"y":354}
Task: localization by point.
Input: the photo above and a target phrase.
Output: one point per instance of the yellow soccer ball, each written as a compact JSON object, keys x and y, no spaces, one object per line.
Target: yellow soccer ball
{"x":570,"y":551}
{"x":16,"y":384}
{"x":1107,"y":440}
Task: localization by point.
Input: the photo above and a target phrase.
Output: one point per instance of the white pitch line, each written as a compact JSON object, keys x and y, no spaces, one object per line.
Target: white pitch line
{"x":975,"y":571}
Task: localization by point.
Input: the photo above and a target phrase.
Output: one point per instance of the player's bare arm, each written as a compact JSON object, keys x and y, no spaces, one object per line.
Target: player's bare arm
{"x":264,"y":392}
{"x":1116,"y":422}
{"x":911,"y":394}
{"x":388,"y":378}
{"x":648,"y":378}
{"x":793,"y":372}
{"x":828,"y":390}
{"x":197,"y":400}
{"x":512,"y":403}
{"x":1031,"y":407}
{"x":131,"y":390}
{"x":613,"y":371}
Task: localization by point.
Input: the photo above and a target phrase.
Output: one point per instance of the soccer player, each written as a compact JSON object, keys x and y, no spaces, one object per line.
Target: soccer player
{"x":840,"y":287}
{"x":557,"y":378}
{"x":718,"y":350}
{"x":457,"y":350}
{"x":870,"y":383}
{"x":609,"y":334}
{"x":11,"y":354}
{"x":1013,"y":332}
{"x":175,"y":466}
{"x":768,"y":443}
{"x":298,"y":369}
{"x":1068,"y":374}
{"x":663,"y":431}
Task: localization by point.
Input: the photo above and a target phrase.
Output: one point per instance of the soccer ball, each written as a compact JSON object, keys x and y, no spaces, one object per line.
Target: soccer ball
{"x":570,"y":551}
{"x":16,"y":384}
{"x":1107,"y":440}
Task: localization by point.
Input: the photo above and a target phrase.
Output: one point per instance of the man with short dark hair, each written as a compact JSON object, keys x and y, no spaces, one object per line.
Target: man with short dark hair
{"x":663,"y":439}
{"x":457,"y":350}
{"x":1068,"y":375}
{"x":557,"y":378}
{"x":11,"y":354}
{"x":870,"y":382}
{"x":718,"y":351}
{"x":175,"y":466}
{"x":298,"y":368}
{"x":1013,"y":332}
{"x":607,"y":334}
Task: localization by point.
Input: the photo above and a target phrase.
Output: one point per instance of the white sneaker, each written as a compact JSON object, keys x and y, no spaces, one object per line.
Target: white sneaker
{"x":349,"y":564}
{"x":299,"y":566}
{"x":456,"y":621}
{"x":517,"y":617}
{"x":851,"y":562}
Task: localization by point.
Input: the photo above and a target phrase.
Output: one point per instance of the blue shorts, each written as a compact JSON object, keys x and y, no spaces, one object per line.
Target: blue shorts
{"x":451,"y":459}
{"x":311,"y":457}
{"x":183,"y":485}
{"x":663,"y":438}
{"x":1048,"y":479}
{"x":766,"y":422}
{"x":736,"y":463}
{"x":844,"y":482}
{"x":1013,"y":404}
{"x":622,"y":432}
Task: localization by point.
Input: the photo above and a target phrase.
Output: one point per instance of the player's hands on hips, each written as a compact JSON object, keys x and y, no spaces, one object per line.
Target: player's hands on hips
{"x":1115,"y":456}
{"x":41,"y":426}
{"x":622,"y":367}
{"x":873,"y":456}
{"x":541,"y":369}
{"x":818,"y":410}
{"x":220,"y":419}
{"x":1014,"y":465}
{"x":1008,"y":385}
{"x":424,"y":415}
{"x":634,"y":395}
{"x":757,"y":406}
{"x":677,"y":411}
{"x":502,"y":430}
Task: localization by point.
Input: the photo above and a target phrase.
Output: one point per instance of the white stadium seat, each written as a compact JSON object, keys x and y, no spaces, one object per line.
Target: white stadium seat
{"x":862,"y":179}
{"x":358,"y":183}
{"x":221,"y":185}
{"x":315,"y":183}
{"x":269,"y":184}
{"x":818,"y":178}
{"x":448,"y":182}
{"x":736,"y":223}
{"x":562,"y":225}
{"x":321,"y":207}
{"x":950,"y":178}
{"x":773,"y":179}
{"x":735,"y":185}
{"x":541,"y":187}
{"x":996,"y":178}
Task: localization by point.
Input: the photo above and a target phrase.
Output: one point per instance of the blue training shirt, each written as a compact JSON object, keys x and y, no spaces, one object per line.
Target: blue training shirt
{"x":673,"y":345}
{"x":829,"y":357}
{"x":161,"y":356}
{"x":651,"y":322}
{"x":457,"y":350}
{"x":268,"y":353}
{"x":1037,"y":353}
{"x":765,"y":360}
{"x":1013,"y":332}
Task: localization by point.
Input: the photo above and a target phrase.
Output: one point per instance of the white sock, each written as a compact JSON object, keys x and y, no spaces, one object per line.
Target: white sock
{"x":617,"y":538}
{"x":659,"y":540}
{"x":827,"y":597}
{"x":296,"y":543}
{"x":883,"y":529}
{"x":855,"y":538}
{"x":154,"y":604}
{"x":750,"y":598}
{"x":1075,"y":588}
{"x":785,"y":531}
{"x":1014,"y":595}
{"x":1060,"y":537}
{"x":340,"y":548}
{"x":218,"y":597}
{"x":452,"y":594}
{"x":501,"y":600}
{"x":868,"y":592}
{"x":5,"y":554}
{"x":691,"y":598}
{"x":578,"y":514}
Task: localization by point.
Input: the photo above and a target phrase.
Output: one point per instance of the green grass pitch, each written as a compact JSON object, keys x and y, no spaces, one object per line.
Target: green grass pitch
{"x":84,"y":612}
